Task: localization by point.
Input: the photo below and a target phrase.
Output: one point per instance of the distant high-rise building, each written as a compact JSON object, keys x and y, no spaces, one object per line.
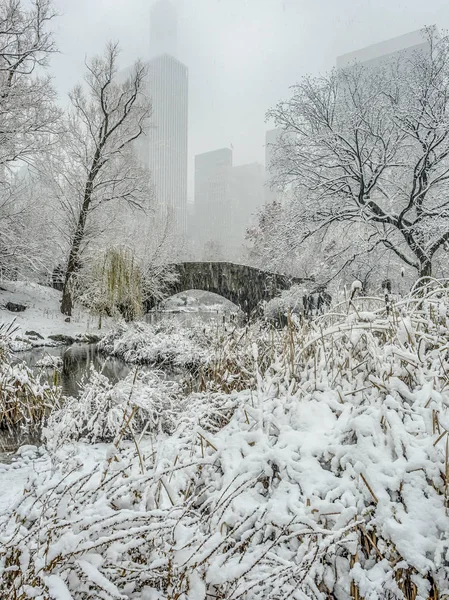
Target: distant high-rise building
{"x":163,"y":148}
{"x":226,"y":202}
{"x":389,"y":49}
{"x":163,"y":29}
{"x":168,"y":134}
{"x":213,"y":198}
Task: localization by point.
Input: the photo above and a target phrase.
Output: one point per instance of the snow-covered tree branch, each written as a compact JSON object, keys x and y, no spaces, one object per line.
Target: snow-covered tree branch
{"x":370,"y":146}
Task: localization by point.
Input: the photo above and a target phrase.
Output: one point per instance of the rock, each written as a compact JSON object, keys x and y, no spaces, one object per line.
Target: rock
{"x":11,"y":306}
{"x":63,"y":339}
{"x":91,"y":338}
{"x":34,"y":334}
{"x":67,"y":319}
{"x":50,"y":362}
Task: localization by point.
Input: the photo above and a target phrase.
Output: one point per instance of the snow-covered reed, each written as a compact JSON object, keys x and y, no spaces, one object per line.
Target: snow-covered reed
{"x":166,"y":344}
{"x":25,"y":400}
{"x":327,"y":478}
{"x":143,"y":400}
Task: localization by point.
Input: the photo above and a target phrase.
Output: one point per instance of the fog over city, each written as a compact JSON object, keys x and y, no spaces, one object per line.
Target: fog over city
{"x":242,"y":55}
{"x":224,"y":299}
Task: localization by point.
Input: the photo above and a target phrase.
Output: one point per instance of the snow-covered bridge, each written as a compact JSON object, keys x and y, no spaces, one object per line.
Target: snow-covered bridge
{"x":243,"y":285}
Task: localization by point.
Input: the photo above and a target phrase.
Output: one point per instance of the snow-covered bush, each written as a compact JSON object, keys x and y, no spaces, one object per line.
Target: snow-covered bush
{"x":164,"y":344}
{"x":118,"y":282}
{"x":104,"y":411}
{"x":48,"y":361}
{"x":113,"y":284}
{"x":297,"y":300}
{"x":25,"y":400}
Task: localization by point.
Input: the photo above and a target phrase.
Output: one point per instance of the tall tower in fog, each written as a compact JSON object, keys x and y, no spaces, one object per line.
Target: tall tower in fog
{"x":168,"y":133}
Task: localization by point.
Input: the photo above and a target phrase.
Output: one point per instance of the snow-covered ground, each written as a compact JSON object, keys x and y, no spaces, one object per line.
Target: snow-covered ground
{"x":42,"y":314}
{"x":167,"y":343}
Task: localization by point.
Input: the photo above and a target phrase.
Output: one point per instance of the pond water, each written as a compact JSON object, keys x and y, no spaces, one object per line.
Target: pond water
{"x":77,"y":360}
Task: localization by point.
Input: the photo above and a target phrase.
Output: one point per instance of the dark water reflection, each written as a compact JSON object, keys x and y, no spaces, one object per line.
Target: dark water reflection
{"x":78,"y":360}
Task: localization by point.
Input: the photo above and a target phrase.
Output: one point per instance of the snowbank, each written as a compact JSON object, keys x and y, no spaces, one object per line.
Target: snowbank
{"x":42,"y":315}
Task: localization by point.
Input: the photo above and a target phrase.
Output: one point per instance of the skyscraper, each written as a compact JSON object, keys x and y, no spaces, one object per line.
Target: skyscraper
{"x":376,"y":54}
{"x":213,"y":211}
{"x":168,"y":134}
{"x":226,"y":201}
{"x":163,"y":148}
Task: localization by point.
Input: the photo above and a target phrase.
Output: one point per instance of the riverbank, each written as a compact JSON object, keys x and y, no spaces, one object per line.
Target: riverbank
{"x":41,"y":322}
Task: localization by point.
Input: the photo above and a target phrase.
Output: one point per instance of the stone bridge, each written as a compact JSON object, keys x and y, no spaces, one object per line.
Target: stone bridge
{"x":243,"y":285}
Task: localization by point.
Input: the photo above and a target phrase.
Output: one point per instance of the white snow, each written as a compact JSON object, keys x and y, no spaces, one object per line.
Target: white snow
{"x":42,"y":314}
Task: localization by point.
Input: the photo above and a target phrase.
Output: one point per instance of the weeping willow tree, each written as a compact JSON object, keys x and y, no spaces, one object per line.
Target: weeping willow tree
{"x":114,"y":285}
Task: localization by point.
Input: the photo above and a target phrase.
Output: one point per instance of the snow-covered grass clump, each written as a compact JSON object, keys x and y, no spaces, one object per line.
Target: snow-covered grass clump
{"x":166,"y":344}
{"x":103,"y":411}
{"x":25,"y":400}
{"x":326,"y":479}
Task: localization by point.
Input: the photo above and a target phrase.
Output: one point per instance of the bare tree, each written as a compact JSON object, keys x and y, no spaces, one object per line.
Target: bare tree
{"x":370,"y":146}
{"x":28,"y":119}
{"x":27,"y":113}
{"x":96,"y":166}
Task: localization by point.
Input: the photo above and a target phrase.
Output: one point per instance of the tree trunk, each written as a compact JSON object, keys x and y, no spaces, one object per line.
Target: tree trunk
{"x":425,"y":268}
{"x":73,"y":263}
{"x":66,"y":302}
{"x":72,"y":266}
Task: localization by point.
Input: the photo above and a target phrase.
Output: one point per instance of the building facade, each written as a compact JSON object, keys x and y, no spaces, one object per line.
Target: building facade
{"x":165,"y":150}
{"x":227,"y":199}
{"x":377,"y":54}
{"x":212,"y":209}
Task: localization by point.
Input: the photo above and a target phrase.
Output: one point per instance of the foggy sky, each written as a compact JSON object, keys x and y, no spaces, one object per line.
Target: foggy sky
{"x":242,"y":54}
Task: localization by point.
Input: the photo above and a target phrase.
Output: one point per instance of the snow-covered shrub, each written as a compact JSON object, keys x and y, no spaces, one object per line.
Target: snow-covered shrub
{"x":143,"y":400}
{"x":297,"y":300}
{"x":48,"y":361}
{"x":113,"y":284}
{"x":118,"y":282}
{"x":235,"y":354}
{"x":164,"y":344}
{"x":25,"y":400}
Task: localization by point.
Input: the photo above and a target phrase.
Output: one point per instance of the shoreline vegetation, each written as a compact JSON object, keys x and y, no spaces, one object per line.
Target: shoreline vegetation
{"x":309,"y":461}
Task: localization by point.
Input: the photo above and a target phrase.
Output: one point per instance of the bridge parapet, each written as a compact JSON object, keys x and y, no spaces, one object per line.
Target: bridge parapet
{"x":243,"y":285}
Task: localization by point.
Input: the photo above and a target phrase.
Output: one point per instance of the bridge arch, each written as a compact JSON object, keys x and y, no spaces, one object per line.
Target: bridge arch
{"x":244,"y":286}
